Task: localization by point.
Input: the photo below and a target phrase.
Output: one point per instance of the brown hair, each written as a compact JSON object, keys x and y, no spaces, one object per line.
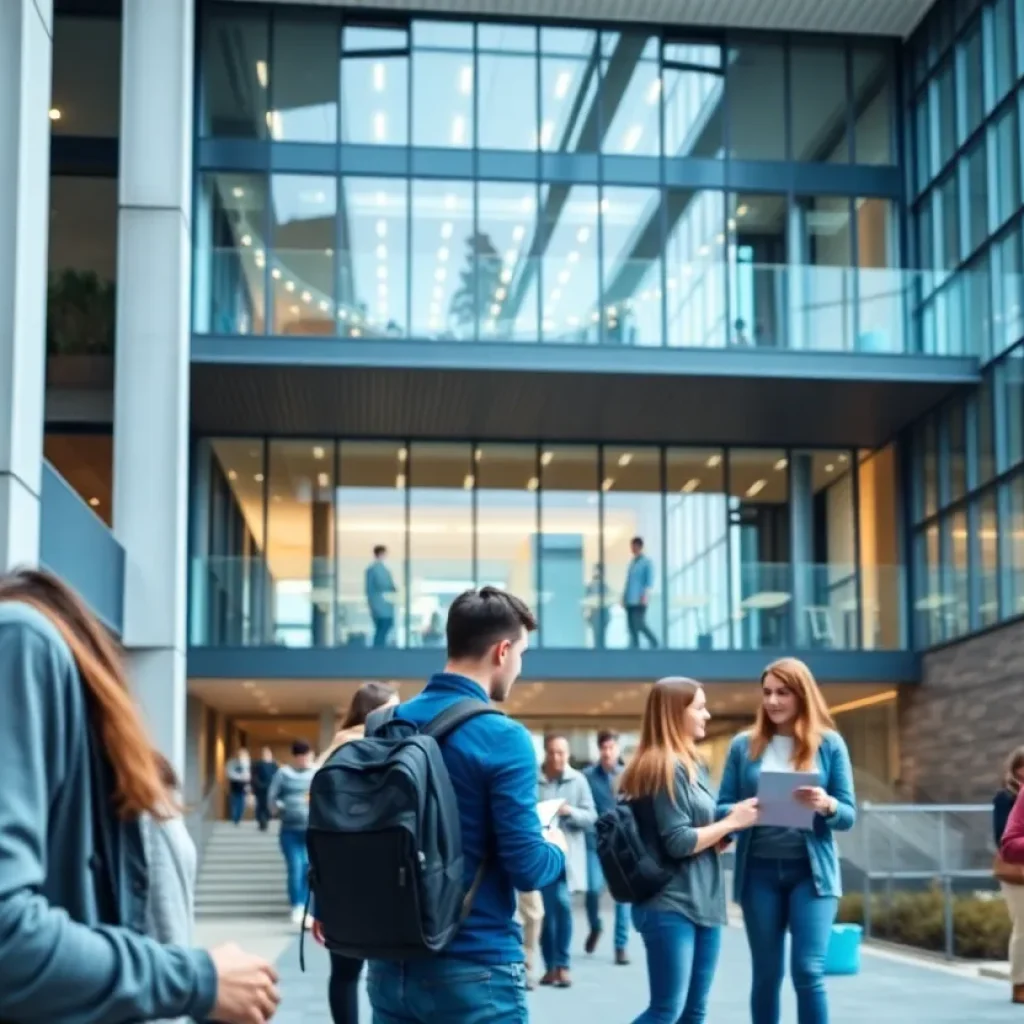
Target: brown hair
{"x":813,"y":717}
{"x":366,"y":700}
{"x":663,"y":741}
{"x":1013,"y":765}
{"x":138,"y":786}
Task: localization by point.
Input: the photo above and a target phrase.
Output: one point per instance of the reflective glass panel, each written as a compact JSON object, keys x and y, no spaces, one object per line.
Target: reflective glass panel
{"x":1015,"y":545}
{"x":507,"y":91}
{"x":872,"y":106}
{"x":986,"y":454}
{"x":442,"y":88}
{"x":956,"y":429}
{"x":85,"y":99}
{"x":695,"y":285}
{"x":954,"y":573}
{"x":973,"y":88}
{"x":758,"y":280}
{"x":1002,"y":56}
{"x":86,"y":462}
{"x":375,"y":86}
{"x":824,"y":311}
{"x":1010,"y":378}
{"x":694,"y":92}
{"x":755,"y":80}
{"x":881,"y":560}
{"x":304,"y":77}
{"x":818,"y":104}
{"x":570,"y":272}
{"x":988,"y":561}
{"x":630,"y":94}
{"x":235,"y":73}
{"x":975,"y":183}
{"x":1007,"y":291}
{"x":570,"y":83}
{"x":949,"y":230}
{"x":1007,"y":156}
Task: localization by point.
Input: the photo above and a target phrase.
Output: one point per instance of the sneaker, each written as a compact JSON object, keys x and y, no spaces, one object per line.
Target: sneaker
{"x":563,"y":980}
{"x":592,"y":940}
{"x":622,"y":958}
{"x":550,"y":977}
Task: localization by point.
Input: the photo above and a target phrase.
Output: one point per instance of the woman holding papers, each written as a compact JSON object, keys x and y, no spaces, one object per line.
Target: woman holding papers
{"x":787,"y":868}
{"x":681,"y":926}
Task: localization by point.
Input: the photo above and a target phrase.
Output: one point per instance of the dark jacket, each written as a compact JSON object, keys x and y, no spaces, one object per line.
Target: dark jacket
{"x":1002,"y":804}
{"x":72,"y":892}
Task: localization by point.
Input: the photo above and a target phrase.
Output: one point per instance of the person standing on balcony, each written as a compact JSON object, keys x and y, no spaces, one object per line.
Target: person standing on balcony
{"x":380,"y":591}
{"x":637,"y":595}
{"x":788,"y":879}
{"x":239,"y":773}
{"x":1011,"y":875}
{"x":263,"y":773}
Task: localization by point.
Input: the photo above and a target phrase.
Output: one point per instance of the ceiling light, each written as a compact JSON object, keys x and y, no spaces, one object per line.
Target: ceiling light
{"x":573,"y":257}
{"x":380,"y":126}
{"x":704,"y":250}
{"x":322,"y":479}
{"x":94,"y":502}
{"x":843,"y":457}
{"x":547,"y":130}
{"x":511,"y":255}
{"x":276,"y":274}
{"x":246,"y":239}
{"x":294,"y":310}
{"x":324,"y":305}
{"x":781,"y":465}
{"x":495,"y":309}
{"x":742,"y":210}
{"x":714,"y":460}
{"x":232,"y":474}
{"x":289,"y":286}
{"x":442,"y":254}
{"x":382,"y":273}
{"x":605,"y":205}
{"x":654,"y":91}
{"x":466,"y":79}
{"x":506,"y":275}
{"x":318,"y":452}
{"x":382,"y":251}
{"x":379,"y":77}
{"x":467,"y":484}
{"x":435,"y":309}
{"x":546,"y":457}
{"x":307,"y":297}
{"x":572,"y":321}
{"x":556,"y":294}
{"x":403,"y":454}
{"x":562,"y":83}
{"x":458,"y":130}
{"x":720,"y":238}
{"x":382,"y":199}
{"x":342,"y":313}
{"x":731,"y":223}
{"x":532,"y":484}
{"x":449,"y":201}
{"x":582,"y":235}
{"x":382,"y":288}
{"x":527,"y":204}
{"x":690,"y":486}
{"x":54,"y":114}
{"x":756,"y":488}
{"x":446,"y":229}
{"x":625,"y":458}
{"x":564,"y":276}
{"x":438,"y":291}
{"x":518,"y":232}
{"x":382,"y":228}
{"x":608,"y":483}
{"x":829,"y":468}
{"x":548,"y":324}
{"x":490,"y":325}
{"x":400,"y":481}
{"x":261,"y":73}
{"x":500,"y":293}
{"x":258,"y":477}
{"x":355,"y":333}
{"x":632,"y":138}
{"x":238,"y":192}
{"x":440,"y":274}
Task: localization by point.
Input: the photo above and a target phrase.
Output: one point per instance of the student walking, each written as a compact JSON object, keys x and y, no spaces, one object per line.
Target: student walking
{"x":239,"y":775}
{"x":681,"y":926}
{"x":1011,"y":876}
{"x":263,"y":772}
{"x":289,"y":798}
{"x":787,"y":879}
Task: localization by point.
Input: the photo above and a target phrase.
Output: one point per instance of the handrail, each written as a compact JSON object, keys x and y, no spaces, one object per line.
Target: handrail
{"x":199,"y":820}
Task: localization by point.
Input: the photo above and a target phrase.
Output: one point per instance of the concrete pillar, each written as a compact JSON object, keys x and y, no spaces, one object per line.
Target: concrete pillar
{"x":327,"y":728}
{"x":26,"y":30}
{"x":801,"y":531}
{"x":195,"y":743}
{"x":152,"y":356}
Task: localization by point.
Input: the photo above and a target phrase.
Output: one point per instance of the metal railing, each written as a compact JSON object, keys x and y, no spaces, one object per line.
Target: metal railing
{"x":200,"y":819}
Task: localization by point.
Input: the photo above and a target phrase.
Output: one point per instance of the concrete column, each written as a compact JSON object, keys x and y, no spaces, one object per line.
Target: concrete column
{"x":26,"y":29}
{"x":152,"y":357}
{"x":195,"y":743}
{"x":801,"y":531}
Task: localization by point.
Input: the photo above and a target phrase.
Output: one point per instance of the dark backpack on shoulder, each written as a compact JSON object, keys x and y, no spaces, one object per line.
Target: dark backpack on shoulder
{"x":630,"y":851}
{"x":385,"y":842}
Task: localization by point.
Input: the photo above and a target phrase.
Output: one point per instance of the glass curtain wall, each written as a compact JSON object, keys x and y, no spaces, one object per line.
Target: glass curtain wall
{"x":316,"y":542}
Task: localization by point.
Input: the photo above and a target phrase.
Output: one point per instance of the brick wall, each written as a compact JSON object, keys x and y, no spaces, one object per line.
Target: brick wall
{"x":958,"y":725}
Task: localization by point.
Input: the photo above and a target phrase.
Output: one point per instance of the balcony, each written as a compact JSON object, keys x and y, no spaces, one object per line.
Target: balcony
{"x":247,"y":620}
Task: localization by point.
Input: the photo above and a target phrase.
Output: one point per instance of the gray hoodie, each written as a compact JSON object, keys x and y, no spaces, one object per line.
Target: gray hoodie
{"x":289,"y":796}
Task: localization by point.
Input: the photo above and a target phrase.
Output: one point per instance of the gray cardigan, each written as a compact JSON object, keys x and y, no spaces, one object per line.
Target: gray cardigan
{"x":58,"y":963}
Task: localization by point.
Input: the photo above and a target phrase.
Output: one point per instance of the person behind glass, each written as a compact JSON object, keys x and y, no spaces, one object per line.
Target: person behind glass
{"x":787,"y":879}
{"x":79,"y":776}
{"x":598,"y":607}
{"x":343,"y":988}
{"x":1011,"y":876}
{"x":576,"y":816}
{"x":239,"y":774}
{"x":603,"y":778}
{"x":681,"y":926}
{"x":289,"y":798}
{"x":637,"y":595}
{"x":263,"y":772}
{"x":380,"y":588}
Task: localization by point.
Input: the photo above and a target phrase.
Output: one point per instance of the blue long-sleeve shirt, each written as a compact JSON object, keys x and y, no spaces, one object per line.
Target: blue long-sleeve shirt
{"x":493,"y":769}
{"x":604,"y":786}
{"x":639,"y":580}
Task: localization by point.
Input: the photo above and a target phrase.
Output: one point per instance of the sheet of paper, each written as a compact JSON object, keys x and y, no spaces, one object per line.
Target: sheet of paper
{"x":547,"y":811}
{"x":777,"y":804}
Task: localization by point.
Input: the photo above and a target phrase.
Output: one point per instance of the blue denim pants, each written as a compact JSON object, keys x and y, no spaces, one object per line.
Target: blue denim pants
{"x":444,"y":990}
{"x":296,"y":862}
{"x":681,"y":961}
{"x":236,"y":805}
{"x":595,"y":886}
{"x":556,"y":931}
{"x":779,"y":896}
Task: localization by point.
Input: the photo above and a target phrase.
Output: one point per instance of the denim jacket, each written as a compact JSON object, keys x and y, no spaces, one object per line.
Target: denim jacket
{"x":740,"y":780}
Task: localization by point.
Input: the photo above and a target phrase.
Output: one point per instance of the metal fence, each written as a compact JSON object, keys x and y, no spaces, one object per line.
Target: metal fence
{"x":916,"y":846}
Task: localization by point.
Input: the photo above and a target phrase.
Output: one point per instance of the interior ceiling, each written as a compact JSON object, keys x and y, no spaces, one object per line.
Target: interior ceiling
{"x":293,"y":698}
{"x":868,"y":17}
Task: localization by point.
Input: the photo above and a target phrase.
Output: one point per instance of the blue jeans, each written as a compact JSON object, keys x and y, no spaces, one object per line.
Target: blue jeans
{"x":447,"y":990}
{"x":236,"y":806}
{"x":296,"y":862}
{"x":681,"y":961}
{"x":595,"y":886}
{"x":381,"y":631}
{"x":779,"y":895}
{"x":556,"y":931}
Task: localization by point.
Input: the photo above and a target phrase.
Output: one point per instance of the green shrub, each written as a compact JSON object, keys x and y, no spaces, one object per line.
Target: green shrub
{"x":981,"y":927}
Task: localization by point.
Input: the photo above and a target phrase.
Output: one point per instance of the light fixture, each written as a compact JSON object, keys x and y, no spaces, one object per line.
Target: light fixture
{"x":731,"y":223}
{"x":238,"y":192}
{"x":467,"y":484}
{"x":781,"y":464}
{"x":258,"y":477}
{"x":742,"y":210}
{"x":232,"y":474}
{"x":756,"y":488}
{"x":562,"y":83}
{"x":403,"y":454}
{"x":632,"y":138}
{"x":582,"y":235}
{"x":400,"y":481}
{"x":478,"y":454}
{"x":532,"y":484}
{"x":382,"y":289}
{"x":690,"y":486}
{"x":518,"y":232}
{"x":246,"y":240}
{"x":495,"y":309}
{"x":380,"y":126}
{"x":704,"y":250}
{"x":289,"y":286}
{"x":261,"y":73}
{"x":54,"y":114}
{"x":307,"y":297}
{"x":94,"y":502}
{"x":382,"y":273}
{"x":608,"y":483}
{"x":294,"y":310}
{"x":322,"y":479}
{"x":382,"y":199}
{"x":505,"y":275}
{"x":625,"y":458}
{"x":527,"y":204}
{"x":442,"y":253}
{"x":500,"y":293}
{"x":713,"y":461}
{"x":440,"y":274}
{"x":548,"y":324}
{"x":382,"y":251}
{"x":572,"y":321}
{"x":556,"y":294}
{"x":511,"y":255}
{"x":449,"y":201}
{"x":546,"y":457}
{"x":547,"y":130}
{"x":466,"y":79}
{"x":382,"y":228}
{"x":573,"y":257}
{"x":563,"y":277}
{"x":843,"y":457}
{"x":446,"y":229}
{"x":324,"y":306}
{"x":829,"y":468}
{"x":438,"y":292}
{"x":654,"y":91}
{"x":275,"y":274}
{"x":379,"y":77}
{"x":318,"y":452}
{"x":458,"y":130}
{"x":355,"y":333}
{"x":605,"y":205}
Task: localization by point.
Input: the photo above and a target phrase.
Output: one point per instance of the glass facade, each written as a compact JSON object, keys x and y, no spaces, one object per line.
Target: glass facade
{"x":480,"y":181}
{"x":322,"y":542}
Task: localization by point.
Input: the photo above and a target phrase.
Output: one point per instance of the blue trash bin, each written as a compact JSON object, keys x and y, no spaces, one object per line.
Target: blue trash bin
{"x":843,"y":956}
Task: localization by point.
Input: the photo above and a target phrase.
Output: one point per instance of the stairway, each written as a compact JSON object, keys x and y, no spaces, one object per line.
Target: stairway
{"x":242,"y":873}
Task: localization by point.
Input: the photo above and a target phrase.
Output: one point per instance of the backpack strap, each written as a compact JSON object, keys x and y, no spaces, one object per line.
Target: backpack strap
{"x":443,"y":725}
{"x":376,"y":720}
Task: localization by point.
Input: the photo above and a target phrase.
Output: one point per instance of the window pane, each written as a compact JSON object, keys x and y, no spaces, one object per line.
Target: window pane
{"x":304,"y":210}
{"x":694,"y":99}
{"x":507,"y":66}
{"x":444,"y":250}
{"x":872,"y":104}
{"x":926,"y":452}
{"x":632,"y":611}
{"x":304,"y":78}
{"x":373,"y":262}
{"x":988,"y":561}
{"x":82,"y":256}
{"x":86,"y":462}
{"x":235,"y":73}
{"x":978,"y":311}
{"x":825,"y":313}
{"x":881,"y":305}
{"x":955,"y":583}
{"x":923,"y":140}
{"x":757,"y":278}
{"x":507,"y":271}
{"x":759,"y":548}
{"x":442,"y":93}
{"x":973,"y":87}
{"x":949,"y":230}
{"x":881,"y":568}
{"x":819,"y":108}
{"x":506,"y":518}
{"x":1006,"y":282}
{"x":570,"y":83}
{"x":371,"y":514}
{"x":697,"y":549}
{"x":440,"y":536}
{"x":755,"y":80}
{"x":230,"y":266}
{"x":631,"y":88}
{"x":568,"y":543}
{"x":1007,"y":149}
{"x":86,"y":89}
{"x":986,"y":441}
{"x":956,"y":426}
{"x":631,"y":225}
{"x":694,"y":269}
{"x":1002,"y":36}
{"x":1016,"y":545}
{"x":300,"y":541}
{"x":570,"y":269}
{"x":375,"y":88}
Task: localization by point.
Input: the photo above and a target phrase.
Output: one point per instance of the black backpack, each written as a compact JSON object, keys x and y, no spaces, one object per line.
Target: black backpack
{"x":630,"y":850}
{"x":386,"y":865}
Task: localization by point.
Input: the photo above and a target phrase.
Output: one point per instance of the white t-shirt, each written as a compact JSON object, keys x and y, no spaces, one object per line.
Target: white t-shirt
{"x":778,"y":755}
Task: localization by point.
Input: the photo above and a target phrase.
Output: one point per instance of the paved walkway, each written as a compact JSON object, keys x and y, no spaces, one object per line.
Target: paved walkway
{"x":889,"y":990}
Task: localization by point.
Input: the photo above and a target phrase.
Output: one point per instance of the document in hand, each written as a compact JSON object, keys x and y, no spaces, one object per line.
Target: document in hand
{"x":547,"y":811}
{"x":776,"y":803}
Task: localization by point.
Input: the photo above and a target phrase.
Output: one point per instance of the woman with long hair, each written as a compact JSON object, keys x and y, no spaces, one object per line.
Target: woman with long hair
{"x":787,"y":879}
{"x":681,"y":926}
{"x":1011,"y":876}
{"x":79,"y":775}
{"x":343,"y":988}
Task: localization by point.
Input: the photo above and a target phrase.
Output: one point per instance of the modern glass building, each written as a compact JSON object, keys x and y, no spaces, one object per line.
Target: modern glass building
{"x":500,"y":293}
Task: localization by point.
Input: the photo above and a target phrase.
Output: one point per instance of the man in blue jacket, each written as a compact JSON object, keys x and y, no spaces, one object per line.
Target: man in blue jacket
{"x":481,"y":978}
